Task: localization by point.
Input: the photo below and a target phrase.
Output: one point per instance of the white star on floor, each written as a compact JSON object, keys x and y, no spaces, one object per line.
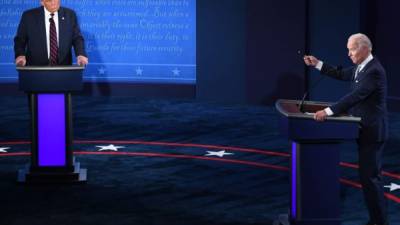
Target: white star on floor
{"x":139,"y":71}
{"x":393,"y":187}
{"x":109,"y":148}
{"x":219,"y":153}
{"x":101,"y":70}
{"x":3,"y":149}
{"x":176,"y":72}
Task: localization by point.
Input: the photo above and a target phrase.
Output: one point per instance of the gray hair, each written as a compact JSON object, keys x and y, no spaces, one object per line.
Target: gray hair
{"x":362,"y":40}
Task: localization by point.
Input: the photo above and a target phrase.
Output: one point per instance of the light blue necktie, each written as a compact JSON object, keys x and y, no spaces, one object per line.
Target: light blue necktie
{"x":357,"y":72}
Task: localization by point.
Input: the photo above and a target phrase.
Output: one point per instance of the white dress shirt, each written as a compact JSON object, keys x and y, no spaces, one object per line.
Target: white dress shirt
{"x":363,"y":64}
{"x":360,"y":67}
{"x":47,"y":22}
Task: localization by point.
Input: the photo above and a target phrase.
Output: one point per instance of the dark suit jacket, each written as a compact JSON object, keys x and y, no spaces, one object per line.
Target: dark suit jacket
{"x":367,"y":98}
{"x":31,"y":37}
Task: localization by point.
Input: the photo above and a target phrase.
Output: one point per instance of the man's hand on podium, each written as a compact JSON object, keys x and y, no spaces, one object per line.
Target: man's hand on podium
{"x":320,"y":116}
{"x":20,"y":60}
{"x":82,"y":60}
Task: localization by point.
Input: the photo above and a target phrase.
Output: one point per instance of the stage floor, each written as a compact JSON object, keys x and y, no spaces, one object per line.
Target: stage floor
{"x":155,"y":161}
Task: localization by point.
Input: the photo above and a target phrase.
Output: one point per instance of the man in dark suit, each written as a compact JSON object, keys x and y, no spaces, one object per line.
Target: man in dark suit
{"x":46,"y":35}
{"x":367,"y":100}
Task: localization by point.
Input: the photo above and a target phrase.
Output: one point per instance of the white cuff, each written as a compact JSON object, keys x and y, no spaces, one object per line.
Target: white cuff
{"x":328,"y":111}
{"x":319,"y":65}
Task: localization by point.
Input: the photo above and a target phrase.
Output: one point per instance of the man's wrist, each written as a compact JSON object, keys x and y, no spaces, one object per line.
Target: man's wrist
{"x":328,"y":111}
{"x":319,"y":65}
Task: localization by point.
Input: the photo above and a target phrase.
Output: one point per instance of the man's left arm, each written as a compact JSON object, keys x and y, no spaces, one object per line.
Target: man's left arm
{"x":20,"y":42}
{"x":367,"y":86}
{"x":78,"y":43}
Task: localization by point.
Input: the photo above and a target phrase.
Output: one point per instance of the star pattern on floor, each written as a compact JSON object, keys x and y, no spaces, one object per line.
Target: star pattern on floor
{"x":3,"y":149}
{"x":110,"y":147}
{"x":393,"y":187}
{"x":218,"y":153}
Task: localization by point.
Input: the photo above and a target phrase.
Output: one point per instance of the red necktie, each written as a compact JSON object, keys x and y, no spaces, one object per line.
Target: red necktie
{"x":53,"y":42}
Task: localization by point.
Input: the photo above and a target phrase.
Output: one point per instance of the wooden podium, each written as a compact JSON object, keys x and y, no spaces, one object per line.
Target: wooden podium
{"x":315,"y":157}
{"x":49,"y":90}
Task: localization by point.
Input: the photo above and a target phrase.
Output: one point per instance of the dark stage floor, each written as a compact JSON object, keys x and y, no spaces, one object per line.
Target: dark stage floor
{"x":161,"y":172}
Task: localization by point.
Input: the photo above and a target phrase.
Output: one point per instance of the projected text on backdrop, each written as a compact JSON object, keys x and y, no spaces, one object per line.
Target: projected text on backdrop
{"x":126,"y":40}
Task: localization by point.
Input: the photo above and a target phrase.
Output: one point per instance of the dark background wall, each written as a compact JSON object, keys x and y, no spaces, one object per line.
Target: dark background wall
{"x":275,"y":36}
{"x":250,"y":50}
{"x":381,"y":23}
{"x":271,"y":68}
{"x":221,"y":50}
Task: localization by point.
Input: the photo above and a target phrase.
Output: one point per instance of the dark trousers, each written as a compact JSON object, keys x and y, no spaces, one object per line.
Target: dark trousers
{"x":370,"y":162}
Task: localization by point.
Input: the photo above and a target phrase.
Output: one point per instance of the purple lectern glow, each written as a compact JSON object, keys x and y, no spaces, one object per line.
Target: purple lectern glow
{"x":294,"y":182}
{"x":51,"y":130}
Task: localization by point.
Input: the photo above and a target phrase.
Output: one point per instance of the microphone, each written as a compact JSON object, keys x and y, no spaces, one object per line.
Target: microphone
{"x":313,"y":85}
{"x":301,"y":105}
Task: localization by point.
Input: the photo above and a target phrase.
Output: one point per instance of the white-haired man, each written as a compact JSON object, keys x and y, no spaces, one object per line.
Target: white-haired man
{"x":367,"y":100}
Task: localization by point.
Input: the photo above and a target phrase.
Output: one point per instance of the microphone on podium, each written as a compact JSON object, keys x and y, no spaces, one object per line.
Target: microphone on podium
{"x":301,"y":105}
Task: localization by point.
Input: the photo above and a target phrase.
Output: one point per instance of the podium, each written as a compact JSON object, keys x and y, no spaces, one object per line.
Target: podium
{"x":315,"y":158}
{"x":49,"y":91}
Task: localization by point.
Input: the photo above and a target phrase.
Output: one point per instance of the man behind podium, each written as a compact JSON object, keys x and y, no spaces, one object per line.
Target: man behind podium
{"x":367,"y":100}
{"x":46,"y":35}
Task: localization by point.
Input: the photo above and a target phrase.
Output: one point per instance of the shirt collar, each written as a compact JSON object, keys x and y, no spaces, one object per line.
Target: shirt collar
{"x":366,"y":61}
{"x":47,"y":13}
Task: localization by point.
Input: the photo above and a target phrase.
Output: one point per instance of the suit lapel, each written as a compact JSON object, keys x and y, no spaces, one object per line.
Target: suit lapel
{"x":62,"y":30}
{"x":361,"y":74}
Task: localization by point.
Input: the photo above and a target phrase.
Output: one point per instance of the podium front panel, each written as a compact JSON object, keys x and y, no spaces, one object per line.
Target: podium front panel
{"x":50,"y":79}
{"x":51,"y":130}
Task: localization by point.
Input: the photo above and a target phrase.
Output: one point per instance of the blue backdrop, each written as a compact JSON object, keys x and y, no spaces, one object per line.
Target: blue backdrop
{"x":126,"y":40}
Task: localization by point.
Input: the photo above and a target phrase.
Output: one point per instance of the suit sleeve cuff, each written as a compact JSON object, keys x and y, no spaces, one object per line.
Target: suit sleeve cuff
{"x":328,"y":111}
{"x":319,"y":65}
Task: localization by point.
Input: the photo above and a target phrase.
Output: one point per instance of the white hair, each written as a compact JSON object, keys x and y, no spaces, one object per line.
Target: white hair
{"x":362,"y":40}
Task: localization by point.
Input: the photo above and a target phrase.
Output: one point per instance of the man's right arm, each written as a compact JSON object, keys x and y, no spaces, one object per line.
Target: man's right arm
{"x":20,"y":41}
{"x":337,"y":72}
{"x":310,"y":60}
{"x":334,"y":72}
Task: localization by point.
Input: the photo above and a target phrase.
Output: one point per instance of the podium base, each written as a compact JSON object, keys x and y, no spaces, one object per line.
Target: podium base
{"x":283,"y":219}
{"x":28,"y":176}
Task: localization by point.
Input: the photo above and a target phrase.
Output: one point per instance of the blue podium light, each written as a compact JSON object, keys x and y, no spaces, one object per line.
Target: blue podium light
{"x":294,"y":182}
{"x":51,"y":130}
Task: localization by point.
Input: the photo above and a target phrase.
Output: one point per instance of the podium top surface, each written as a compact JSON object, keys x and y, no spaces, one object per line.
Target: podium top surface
{"x":50,"y":68}
{"x":290,"y":109}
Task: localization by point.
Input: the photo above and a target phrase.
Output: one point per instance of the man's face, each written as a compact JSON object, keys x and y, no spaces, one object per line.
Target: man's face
{"x":51,"y":5}
{"x":357,"y":53}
